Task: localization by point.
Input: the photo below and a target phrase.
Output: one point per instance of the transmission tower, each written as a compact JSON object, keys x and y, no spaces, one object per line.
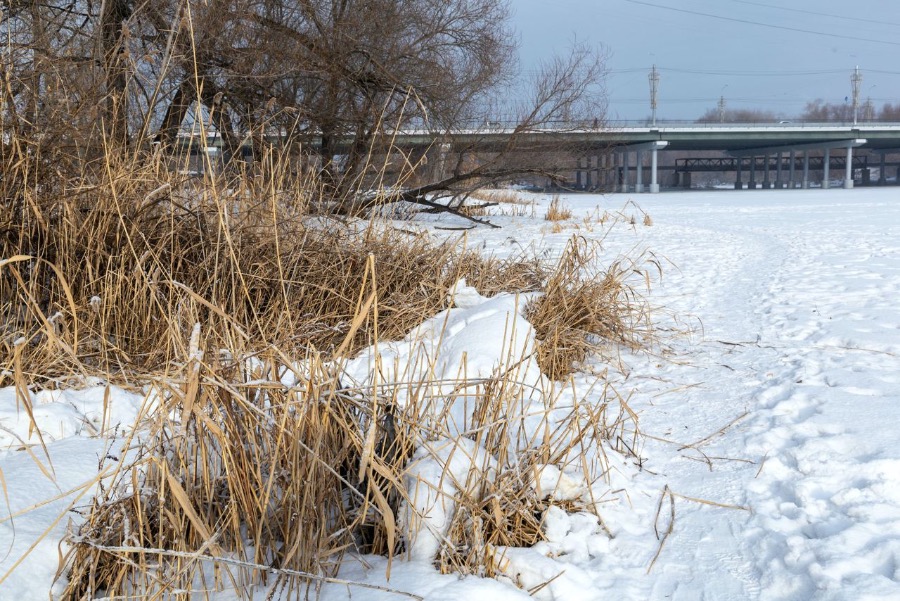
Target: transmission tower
{"x":654,"y":87}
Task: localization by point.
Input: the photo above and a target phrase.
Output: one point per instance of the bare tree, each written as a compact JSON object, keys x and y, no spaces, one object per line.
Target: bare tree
{"x":332,"y":81}
{"x":738,"y":116}
{"x":819,"y":110}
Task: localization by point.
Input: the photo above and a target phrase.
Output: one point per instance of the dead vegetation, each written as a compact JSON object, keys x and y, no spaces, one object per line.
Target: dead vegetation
{"x":248,"y":478}
{"x":557,"y":211}
{"x":106,"y":275}
{"x":233,"y":302}
{"x":231,"y":292}
{"x":582,"y":309}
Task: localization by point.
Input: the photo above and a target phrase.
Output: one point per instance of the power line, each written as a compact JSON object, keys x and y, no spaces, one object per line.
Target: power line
{"x":738,"y":73}
{"x":816,"y":13}
{"x":769,"y":25}
{"x":808,"y":72}
{"x":713,"y":98}
{"x":754,"y":73}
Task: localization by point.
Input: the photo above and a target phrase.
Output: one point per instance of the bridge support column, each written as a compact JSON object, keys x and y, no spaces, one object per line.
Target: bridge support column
{"x":589,"y":180}
{"x":778,"y":171}
{"x":826,"y":170}
{"x":617,"y":175}
{"x":738,"y":184}
{"x":686,"y":180}
{"x":805,"y":183}
{"x":793,"y":159}
{"x":752,"y":183}
{"x":625,"y":169}
{"x":767,"y":183}
{"x":438,"y":164}
{"x":611,"y":172}
{"x":607,"y":171}
{"x":848,"y":174}
{"x":578,"y":173}
{"x":882,"y":176}
{"x":654,"y":184}
{"x":639,"y":182}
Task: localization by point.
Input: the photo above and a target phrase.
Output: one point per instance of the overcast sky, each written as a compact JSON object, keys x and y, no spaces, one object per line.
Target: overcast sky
{"x":759,"y":54}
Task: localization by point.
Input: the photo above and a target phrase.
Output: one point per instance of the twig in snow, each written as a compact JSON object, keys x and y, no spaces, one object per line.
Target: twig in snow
{"x":665,"y":536}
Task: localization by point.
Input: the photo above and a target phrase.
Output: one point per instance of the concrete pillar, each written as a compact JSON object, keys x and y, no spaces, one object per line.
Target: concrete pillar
{"x":639,"y":182}
{"x":778,"y":170}
{"x":752,"y":183}
{"x":882,"y":176}
{"x":589,"y":180}
{"x":805,"y":184}
{"x":793,"y":159}
{"x":578,"y":174}
{"x":686,"y":180}
{"x":738,"y":185}
{"x":616,"y":173}
{"x":440,"y":165}
{"x":826,"y":170}
{"x":848,"y":174}
{"x":654,"y":185}
{"x":767,"y":183}
{"x":617,"y":185}
{"x":625,"y":161}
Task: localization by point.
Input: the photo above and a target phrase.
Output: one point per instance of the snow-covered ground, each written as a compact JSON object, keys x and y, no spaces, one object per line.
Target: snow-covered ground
{"x":770,"y":410}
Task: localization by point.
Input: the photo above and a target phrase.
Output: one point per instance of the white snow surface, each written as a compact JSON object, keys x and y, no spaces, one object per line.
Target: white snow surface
{"x":770,"y":409}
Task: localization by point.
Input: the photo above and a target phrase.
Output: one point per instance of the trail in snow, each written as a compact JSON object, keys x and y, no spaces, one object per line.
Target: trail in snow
{"x":816,"y":278}
{"x":828,"y":495}
{"x":793,"y":302}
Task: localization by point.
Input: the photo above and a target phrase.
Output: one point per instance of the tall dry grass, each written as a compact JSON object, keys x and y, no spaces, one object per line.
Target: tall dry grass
{"x":583,"y":309}
{"x":233,"y":300}
{"x":557,"y":211}
{"x":107,"y":273}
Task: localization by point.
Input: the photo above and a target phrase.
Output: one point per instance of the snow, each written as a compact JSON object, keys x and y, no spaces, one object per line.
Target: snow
{"x":470,"y":341}
{"x":435,"y":476}
{"x":769,"y":412}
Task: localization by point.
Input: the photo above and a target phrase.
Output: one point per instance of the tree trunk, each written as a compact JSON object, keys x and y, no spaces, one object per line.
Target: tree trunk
{"x":114,"y":14}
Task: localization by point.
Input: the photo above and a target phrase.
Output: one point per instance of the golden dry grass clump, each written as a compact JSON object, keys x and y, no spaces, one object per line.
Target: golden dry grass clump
{"x":557,"y":211}
{"x":233,"y":302}
{"x":243,"y":480}
{"x":250,"y":478}
{"x":107,"y":274}
{"x":582,"y":308}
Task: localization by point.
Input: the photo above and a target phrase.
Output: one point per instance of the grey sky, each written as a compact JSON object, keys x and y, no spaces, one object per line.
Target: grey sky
{"x":753,"y":54}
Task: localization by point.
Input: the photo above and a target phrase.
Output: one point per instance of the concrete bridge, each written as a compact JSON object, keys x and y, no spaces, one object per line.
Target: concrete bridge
{"x":784,"y":145}
{"x":616,"y":155}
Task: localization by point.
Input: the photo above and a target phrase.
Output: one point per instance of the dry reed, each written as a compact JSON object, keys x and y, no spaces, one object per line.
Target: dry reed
{"x":232,"y":300}
{"x":582,"y":309}
{"x":557,"y":211}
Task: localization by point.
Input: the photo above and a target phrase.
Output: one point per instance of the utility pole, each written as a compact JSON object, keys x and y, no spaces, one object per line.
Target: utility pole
{"x":855,"y":81}
{"x":654,"y":87}
{"x":722,"y":109}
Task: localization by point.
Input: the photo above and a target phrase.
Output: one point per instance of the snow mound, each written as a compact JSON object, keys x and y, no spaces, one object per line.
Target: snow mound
{"x":478,"y":338}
